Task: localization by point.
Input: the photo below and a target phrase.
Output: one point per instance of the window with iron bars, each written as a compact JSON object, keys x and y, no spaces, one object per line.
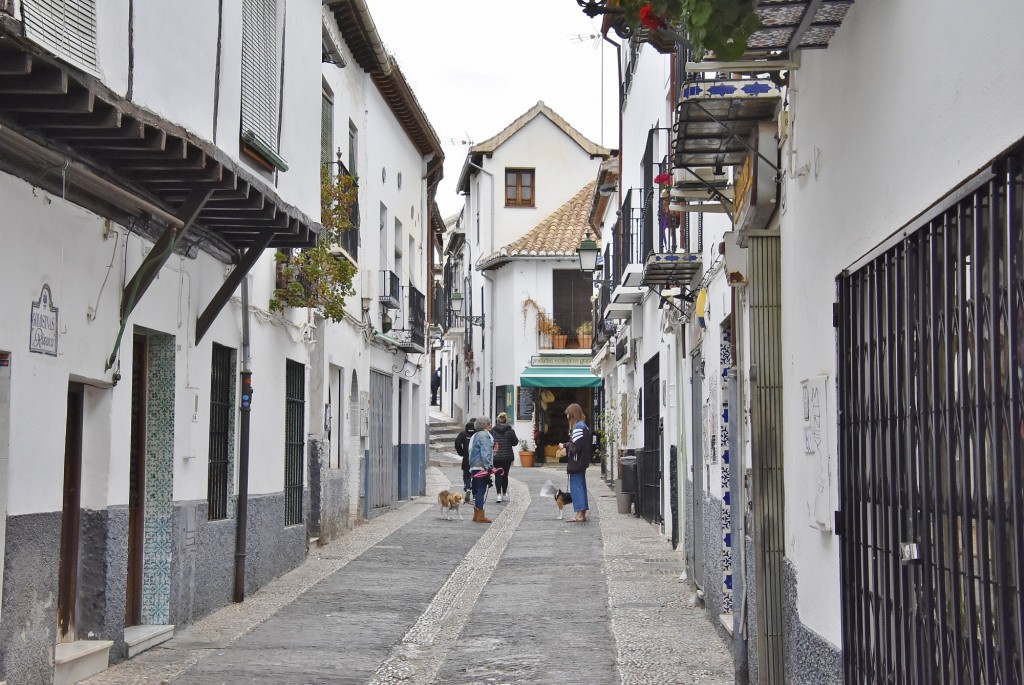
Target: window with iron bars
{"x":222,"y":424}
{"x":294,"y":440}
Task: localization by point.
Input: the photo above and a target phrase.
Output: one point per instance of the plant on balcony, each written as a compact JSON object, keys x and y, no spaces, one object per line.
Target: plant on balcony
{"x":718,"y":26}
{"x":545,"y":324}
{"x":316,"y":277}
{"x":585,"y":334}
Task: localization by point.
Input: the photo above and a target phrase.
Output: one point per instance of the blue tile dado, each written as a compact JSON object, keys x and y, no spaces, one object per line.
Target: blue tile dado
{"x":157,"y":542}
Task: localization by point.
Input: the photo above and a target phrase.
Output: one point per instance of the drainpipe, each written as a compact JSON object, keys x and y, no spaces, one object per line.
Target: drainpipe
{"x":242,"y":507}
{"x":489,"y":279}
{"x":400,"y":461}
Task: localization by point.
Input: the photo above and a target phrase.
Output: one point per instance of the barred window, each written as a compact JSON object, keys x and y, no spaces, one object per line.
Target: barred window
{"x":294,"y":440}
{"x":222,"y":416}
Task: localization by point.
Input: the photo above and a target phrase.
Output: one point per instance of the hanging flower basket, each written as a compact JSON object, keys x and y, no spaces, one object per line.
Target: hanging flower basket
{"x":719,"y":26}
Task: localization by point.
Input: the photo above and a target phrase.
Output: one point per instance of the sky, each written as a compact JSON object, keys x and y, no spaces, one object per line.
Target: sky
{"x":476,"y":65}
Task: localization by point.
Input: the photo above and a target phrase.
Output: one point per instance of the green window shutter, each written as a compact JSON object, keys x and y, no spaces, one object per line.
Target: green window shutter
{"x":327,"y":129}
{"x":259,"y":70}
{"x":67,"y":28}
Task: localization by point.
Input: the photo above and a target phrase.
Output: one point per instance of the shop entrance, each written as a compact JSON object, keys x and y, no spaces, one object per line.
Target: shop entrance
{"x":550,"y":417}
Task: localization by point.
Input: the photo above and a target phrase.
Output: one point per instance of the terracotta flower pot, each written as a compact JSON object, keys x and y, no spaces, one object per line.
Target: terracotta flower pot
{"x":526,"y":458}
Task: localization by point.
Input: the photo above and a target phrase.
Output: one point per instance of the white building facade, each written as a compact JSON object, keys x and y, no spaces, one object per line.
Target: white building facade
{"x":142,"y":185}
{"x":374,"y":372}
{"x":836,"y":353}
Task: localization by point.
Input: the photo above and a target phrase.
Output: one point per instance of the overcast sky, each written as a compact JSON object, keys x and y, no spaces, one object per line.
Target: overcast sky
{"x":475,"y":66}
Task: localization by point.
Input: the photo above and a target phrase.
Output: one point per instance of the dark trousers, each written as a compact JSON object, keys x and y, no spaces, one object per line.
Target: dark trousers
{"x":501,"y":479}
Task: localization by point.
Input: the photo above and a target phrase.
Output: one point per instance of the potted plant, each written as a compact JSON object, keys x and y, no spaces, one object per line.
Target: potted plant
{"x":546,"y":326}
{"x":526,"y":453}
{"x":585,"y":333}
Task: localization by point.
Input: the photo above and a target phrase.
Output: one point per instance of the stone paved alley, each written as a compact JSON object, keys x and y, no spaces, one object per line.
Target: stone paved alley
{"x":411,"y":598}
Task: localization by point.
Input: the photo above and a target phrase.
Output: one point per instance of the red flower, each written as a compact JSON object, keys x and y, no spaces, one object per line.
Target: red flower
{"x":662,"y":179}
{"x":649,"y":19}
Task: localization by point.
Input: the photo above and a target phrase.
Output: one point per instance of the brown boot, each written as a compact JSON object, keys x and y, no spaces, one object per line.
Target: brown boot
{"x":479,"y":517}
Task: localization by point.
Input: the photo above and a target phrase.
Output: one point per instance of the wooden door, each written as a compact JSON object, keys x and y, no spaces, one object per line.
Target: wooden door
{"x":67,"y":583}
{"x":136,"y":485}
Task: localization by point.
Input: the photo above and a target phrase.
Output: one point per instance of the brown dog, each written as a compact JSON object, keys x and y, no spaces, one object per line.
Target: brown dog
{"x":450,"y":501}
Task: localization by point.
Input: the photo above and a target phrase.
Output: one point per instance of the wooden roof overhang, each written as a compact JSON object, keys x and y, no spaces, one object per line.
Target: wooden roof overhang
{"x":361,"y":37}
{"x":65,"y":131}
{"x":50,"y":109}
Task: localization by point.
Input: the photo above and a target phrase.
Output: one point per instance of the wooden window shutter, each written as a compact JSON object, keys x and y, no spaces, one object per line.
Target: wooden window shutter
{"x":259,"y":70}
{"x":67,"y":28}
{"x":327,"y":128}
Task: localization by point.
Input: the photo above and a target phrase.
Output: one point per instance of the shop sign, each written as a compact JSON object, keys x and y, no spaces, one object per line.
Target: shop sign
{"x":552,"y":360}
{"x":755,"y":186}
{"x":43,"y":331}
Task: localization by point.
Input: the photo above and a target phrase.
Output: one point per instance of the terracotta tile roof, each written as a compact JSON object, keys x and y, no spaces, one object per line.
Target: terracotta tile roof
{"x":556,"y":236}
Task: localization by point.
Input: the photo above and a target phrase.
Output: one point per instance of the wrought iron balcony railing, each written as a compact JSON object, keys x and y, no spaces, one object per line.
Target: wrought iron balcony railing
{"x":390,"y":290}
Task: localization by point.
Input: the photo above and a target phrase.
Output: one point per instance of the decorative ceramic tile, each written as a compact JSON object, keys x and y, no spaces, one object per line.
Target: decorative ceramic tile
{"x":157,"y":542}
{"x":725,"y":355}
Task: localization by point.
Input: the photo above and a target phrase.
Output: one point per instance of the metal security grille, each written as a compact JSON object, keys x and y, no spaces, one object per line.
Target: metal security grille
{"x":767,"y":457}
{"x":647,"y":205}
{"x":294,"y":440}
{"x":218,"y":478}
{"x":649,"y":459}
{"x":382,"y":473}
{"x":931,"y":351}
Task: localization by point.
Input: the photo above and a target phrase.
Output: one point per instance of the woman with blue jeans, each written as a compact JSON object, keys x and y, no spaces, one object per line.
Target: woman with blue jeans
{"x":578,"y":451}
{"x":481,"y":461}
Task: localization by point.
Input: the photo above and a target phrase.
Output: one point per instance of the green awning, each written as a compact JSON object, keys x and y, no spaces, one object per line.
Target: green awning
{"x":558,"y":377}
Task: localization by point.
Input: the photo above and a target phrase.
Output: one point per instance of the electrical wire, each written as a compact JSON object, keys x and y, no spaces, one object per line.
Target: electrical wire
{"x":91,"y":316}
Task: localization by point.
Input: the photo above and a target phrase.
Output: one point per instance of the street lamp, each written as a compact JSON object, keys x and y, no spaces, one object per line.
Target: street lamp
{"x":458,"y":303}
{"x":588,"y":252}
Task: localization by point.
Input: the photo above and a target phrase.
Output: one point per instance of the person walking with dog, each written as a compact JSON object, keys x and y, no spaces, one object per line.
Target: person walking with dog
{"x":481,"y":462}
{"x":505,"y":438}
{"x":578,"y":451}
{"x":462,"y":449}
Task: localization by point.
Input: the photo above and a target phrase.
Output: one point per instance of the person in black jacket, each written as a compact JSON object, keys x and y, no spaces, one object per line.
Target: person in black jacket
{"x":505,"y":438}
{"x":462,"y":449}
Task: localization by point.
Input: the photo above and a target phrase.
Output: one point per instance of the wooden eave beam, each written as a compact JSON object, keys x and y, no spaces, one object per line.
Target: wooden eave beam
{"x":161,"y":252}
{"x":231,"y":283}
{"x":53,"y":82}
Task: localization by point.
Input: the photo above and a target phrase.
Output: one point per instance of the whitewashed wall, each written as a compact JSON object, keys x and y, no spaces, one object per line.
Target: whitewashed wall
{"x":64,"y":245}
{"x":174,"y":77}
{"x":890,"y":118}
{"x":562,"y":168}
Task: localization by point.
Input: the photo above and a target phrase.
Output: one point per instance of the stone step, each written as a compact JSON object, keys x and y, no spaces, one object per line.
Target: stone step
{"x":76,"y":661}
{"x":141,"y":638}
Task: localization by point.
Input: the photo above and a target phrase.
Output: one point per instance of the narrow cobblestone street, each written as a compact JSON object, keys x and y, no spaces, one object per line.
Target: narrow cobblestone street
{"x":411,"y":598}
